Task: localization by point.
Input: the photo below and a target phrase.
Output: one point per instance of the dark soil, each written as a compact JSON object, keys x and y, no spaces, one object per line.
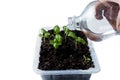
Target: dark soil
{"x":66,"y":56}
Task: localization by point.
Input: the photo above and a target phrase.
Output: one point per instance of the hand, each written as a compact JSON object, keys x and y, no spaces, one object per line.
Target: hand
{"x":109,"y":9}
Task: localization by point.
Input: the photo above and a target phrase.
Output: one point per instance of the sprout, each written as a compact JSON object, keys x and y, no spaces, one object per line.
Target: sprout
{"x":66,"y":30}
{"x":58,"y":37}
{"x":77,"y":39}
{"x":57,"y":41}
{"x":80,"y":40}
{"x":45,"y":34}
{"x":72,"y":34}
{"x":86,"y":59}
{"x":54,"y":43}
{"x":56,"y":29}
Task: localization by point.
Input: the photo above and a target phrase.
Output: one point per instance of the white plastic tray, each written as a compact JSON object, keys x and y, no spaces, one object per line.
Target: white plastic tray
{"x":63,"y":72}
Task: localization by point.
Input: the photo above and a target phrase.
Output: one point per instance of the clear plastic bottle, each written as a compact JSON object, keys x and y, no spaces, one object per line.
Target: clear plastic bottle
{"x":97,"y":28}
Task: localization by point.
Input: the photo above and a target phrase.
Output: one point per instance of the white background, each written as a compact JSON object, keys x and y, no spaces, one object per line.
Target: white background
{"x":20,"y":21}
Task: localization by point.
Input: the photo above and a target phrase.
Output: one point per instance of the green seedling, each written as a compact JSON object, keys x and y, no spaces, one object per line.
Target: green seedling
{"x":80,"y":40}
{"x":58,"y":37}
{"x":72,"y":34}
{"x":57,"y":41}
{"x":66,"y":30}
{"x":86,"y":59}
{"x":56,"y":29}
{"x":77,"y":39}
{"x":45,"y":34}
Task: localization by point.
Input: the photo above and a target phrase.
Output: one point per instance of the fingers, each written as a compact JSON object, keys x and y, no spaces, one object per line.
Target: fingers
{"x":116,"y":1}
{"x":118,"y":22}
{"x":109,"y":10}
{"x":99,"y":8}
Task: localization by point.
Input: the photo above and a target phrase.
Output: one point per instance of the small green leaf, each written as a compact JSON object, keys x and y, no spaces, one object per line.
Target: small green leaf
{"x":88,"y":59}
{"x":47,"y":35}
{"x":56,"y":29}
{"x":40,"y":35}
{"x":72,"y":34}
{"x":43,"y":31}
{"x":80,"y":40}
{"x":64,"y":28}
{"x":84,"y":57}
{"x":58,"y":37}
{"x":55,"y":40}
{"x":51,"y":42}
{"x":56,"y":45}
{"x":83,"y":41}
{"x":67,"y":31}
